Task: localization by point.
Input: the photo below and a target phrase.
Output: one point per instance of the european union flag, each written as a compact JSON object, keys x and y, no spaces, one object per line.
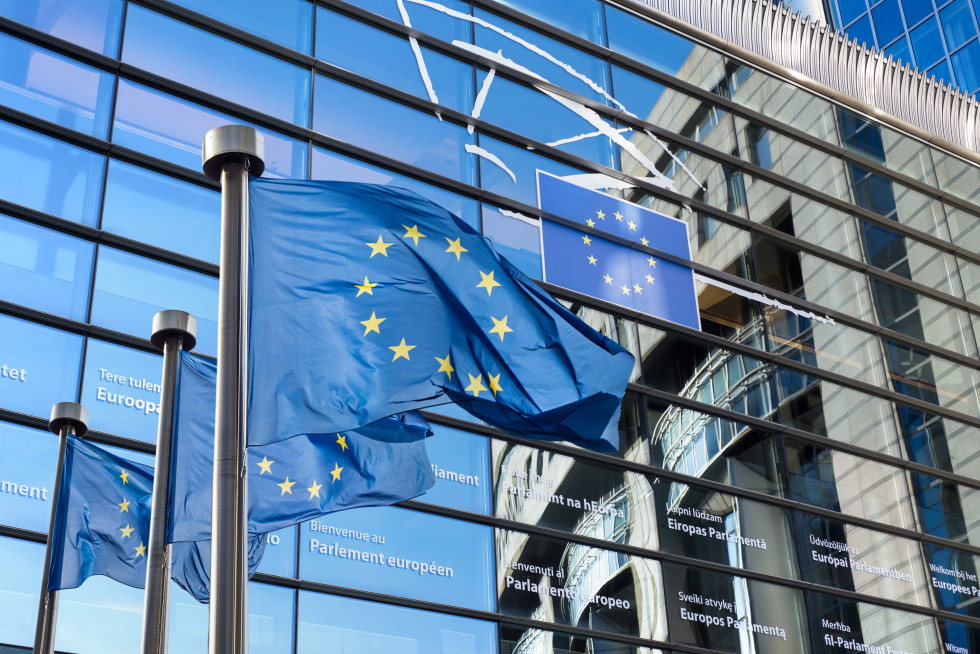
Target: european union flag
{"x":631,"y":278}
{"x":103,"y":524}
{"x":294,"y":480}
{"x":367,"y":301}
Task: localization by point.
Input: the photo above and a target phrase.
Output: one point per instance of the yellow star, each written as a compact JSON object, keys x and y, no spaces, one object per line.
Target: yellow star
{"x":632,"y":225}
{"x":401,"y":350}
{"x":286,"y":486}
{"x":123,"y":506}
{"x":637,"y":288}
{"x":644,"y":241}
{"x":500,"y":327}
{"x":625,"y":289}
{"x":125,"y":477}
{"x":476,"y":385}
{"x":379,"y":247}
{"x":315,"y":489}
{"x":618,"y":216}
{"x":587,"y":240}
{"x":365,"y":287}
{"x":651,"y":262}
{"x":455,"y":248}
{"x":494,"y":383}
{"x":141,"y":550}
{"x":590,"y":222}
{"x":371,"y":324}
{"x":592,"y":259}
{"x":600,"y":215}
{"x":336,"y":472}
{"x":488,"y":282}
{"x":607,"y":278}
{"x":649,"y":278}
{"x":342,"y":442}
{"x":127,"y":531}
{"x":265,"y":465}
{"x":413,"y":233}
{"x":446,"y":366}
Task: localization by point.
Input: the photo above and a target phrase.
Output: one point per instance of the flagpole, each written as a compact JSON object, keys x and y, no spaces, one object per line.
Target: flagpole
{"x":172,"y":332}
{"x":230,"y":154}
{"x":66,"y":418}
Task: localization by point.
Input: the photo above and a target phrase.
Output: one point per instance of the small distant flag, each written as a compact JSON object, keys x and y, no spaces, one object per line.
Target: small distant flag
{"x":603,"y":269}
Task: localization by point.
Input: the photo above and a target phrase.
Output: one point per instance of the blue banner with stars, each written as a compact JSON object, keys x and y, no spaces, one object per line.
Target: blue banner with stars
{"x":293,"y":480}
{"x":102,"y":525}
{"x":367,"y":301}
{"x":606,"y":270}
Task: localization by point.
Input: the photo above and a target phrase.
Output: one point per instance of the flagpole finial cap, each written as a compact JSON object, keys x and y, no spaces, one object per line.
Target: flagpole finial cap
{"x":233,"y":144}
{"x":71,"y":415}
{"x":171,"y":323}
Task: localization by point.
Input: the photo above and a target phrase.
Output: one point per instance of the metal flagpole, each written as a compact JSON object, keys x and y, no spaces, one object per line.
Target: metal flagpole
{"x":172,"y":332}
{"x":66,"y":418}
{"x":230,"y":154}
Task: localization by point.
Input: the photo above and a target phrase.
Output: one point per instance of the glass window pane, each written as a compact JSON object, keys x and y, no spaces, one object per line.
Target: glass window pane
{"x":388,"y":128}
{"x":900,"y":50}
{"x":837,"y":622}
{"x":523,"y":163}
{"x":348,"y":626}
{"x":389,"y":59}
{"x":958,"y":26}
{"x":515,"y":237}
{"x":916,"y":10}
{"x":286,"y":22}
{"x":38,"y":366}
{"x":163,"y":126}
{"x":850,"y":9}
{"x":49,"y":175}
{"x":27,"y":474}
{"x":942,"y":72}
{"x":162,"y":211}
{"x":332,"y":165}
{"x":461,"y":466}
{"x":121,"y":388}
{"x":233,"y":71}
{"x":927,"y":44}
{"x":279,"y":557}
{"x":861,"y":32}
{"x":44,"y":269}
{"x":55,"y":88}
{"x":966,"y":63}
{"x":130,"y":290}
{"x":20,"y":587}
{"x":580,"y":17}
{"x":888,"y":21}
{"x":395,"y":551}
{"x":99,"y":601}
{"x":427,"y":19}
{"x":93,"y":24}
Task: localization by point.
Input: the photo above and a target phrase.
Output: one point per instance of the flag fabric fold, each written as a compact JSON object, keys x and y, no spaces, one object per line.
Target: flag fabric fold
{"x":102,"y":525}
{"x":291,"y":481}
{"x":368,"y":301}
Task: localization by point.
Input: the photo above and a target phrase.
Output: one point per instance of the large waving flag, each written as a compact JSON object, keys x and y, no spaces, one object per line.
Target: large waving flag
{"x":368,"y":301}
{"x":294,"y":480}
{"x":103,"y":523}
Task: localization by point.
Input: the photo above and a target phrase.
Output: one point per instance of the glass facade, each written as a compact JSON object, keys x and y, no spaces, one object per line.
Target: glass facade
{"x":798,"y":476}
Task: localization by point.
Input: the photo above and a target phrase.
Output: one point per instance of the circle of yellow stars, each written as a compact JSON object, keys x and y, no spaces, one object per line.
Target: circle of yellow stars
{"x":286,"y":486}
{"x":403,"y":349}
{"x":626,"y":289}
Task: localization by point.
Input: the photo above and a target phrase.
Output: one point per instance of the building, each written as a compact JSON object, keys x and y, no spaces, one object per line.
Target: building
{"x":800,"y":475}
{"x":939,"y":38}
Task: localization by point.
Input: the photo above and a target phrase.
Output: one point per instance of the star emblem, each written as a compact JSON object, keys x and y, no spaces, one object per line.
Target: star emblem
{"x":644,"y":241}
{"x":625,"y":289}
{"x":476,"y":385}
{"x":401,"y":350}
{"x":618,"y":216}
{"x":600,"y":215}
{"x":127,"y":531}
{"x":607,"y":278}
{"x":632,"y":225}
{"x":494,"y":383}
{"x":446,"y":366}
{"x":587,"y":240}
{"x":488,"y":282}
{"x":371,"y":324}
{"x":141,"y":550}
{"x":455,"y":248}
{"x":413,"y":233}
{"x":590,"y":222}
{"x":592,"y":260}
{"x":365,"y":287}
{"x":342,"y":442}
{"x":637,"y":288}
{"x":336,"y":472}
{"x":500,"y":327}
{"x":379,"y":248}
{"x":286,"y":486}
{"x":651,"y":262}
{"x":649,"y":278}
{"x":314,"y":489}
{"x":265,"y":465}
{"x":123,"y":506}
{"x":125,"y":477}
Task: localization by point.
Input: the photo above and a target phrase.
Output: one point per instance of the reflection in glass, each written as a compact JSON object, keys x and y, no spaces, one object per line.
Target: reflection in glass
{"x":519,"y":640}
{"x":515,"y":237}
{"x":92,"y":24}
{"x":19,"y":589}
{"x":839,"y":625}
{"x":570,"y":584}
{"x":99,"y":601}
{"x":38,"y":366}
{"x":27,"y":475}
{"x":287,"y":22}
{"x":121,"y":388}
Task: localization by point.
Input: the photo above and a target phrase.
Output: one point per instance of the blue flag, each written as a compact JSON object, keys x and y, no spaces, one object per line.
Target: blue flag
{"x":610,"y":271}
{"x":367,"y":301}
{"x":294,"y":480}
{"x":102,"y":525}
